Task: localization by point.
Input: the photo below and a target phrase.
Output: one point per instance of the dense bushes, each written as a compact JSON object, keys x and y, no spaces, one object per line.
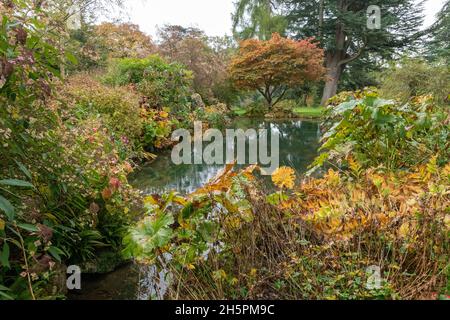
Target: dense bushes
{"x":384,"y":207}
{"x":162,"y":84}
{"x":63,"y":188}
{"x":384,"y":133}
{"x":167,"y":100}
{"x":415,"y":77}
{"x":316,"y":242}
{"x":82,"y":98}
{"x":214,"y":116}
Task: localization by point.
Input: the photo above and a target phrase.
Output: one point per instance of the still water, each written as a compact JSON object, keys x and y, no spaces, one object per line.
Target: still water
{"x":299,"y":143}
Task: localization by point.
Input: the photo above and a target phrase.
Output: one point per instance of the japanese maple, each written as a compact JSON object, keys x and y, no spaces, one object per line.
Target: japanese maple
{"x":275,"y":65}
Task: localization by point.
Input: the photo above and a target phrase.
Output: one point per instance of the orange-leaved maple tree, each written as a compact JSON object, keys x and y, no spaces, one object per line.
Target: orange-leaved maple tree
{"x":275,"y":65}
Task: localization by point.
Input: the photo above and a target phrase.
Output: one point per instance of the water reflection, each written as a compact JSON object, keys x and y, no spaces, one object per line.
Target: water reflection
{"x":299,"y":141}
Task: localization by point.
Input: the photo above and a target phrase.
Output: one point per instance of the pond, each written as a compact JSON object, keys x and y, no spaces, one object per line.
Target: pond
{"x":299,"y":143}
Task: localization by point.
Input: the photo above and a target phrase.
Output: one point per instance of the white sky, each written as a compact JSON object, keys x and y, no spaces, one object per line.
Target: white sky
{"x":212,"y":16}
{"x":432,"y":7}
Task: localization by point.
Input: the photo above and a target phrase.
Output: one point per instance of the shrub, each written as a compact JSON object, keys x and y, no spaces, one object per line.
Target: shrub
{"x":383,"y":133}
{"x":158,"y":127}
{"x":162,"y":84}
{"x":63,"y":188}
{"x":118,"y":108}
{"x":287,"y":105}
{"x":215,"y":116}
{"x":416,"y":77}
{"x":121,"y":40}
{"x":272,"y":67}
{"x":94,"y":170}
{"x":128,"y":70}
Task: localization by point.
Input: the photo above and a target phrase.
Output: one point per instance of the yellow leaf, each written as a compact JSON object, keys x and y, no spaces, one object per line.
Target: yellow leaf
{"x":354,"y":165}
{"x":284,"y":177}
{"x":446,"y":170}
{"x":150,"y":200}
{"x":404,"y":230}
{"x":219,"y":275}
{"x":163,"y":114}
{"x":190,"y":266}
{"x":332,"y":178}
{"x":2,"y":224}
{"x":180,"y":200}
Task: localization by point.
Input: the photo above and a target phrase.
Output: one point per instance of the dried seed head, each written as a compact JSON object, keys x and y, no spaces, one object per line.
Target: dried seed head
{"x":21,"y":35}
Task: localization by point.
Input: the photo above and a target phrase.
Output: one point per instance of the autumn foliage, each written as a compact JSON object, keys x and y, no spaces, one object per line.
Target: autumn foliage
{"x":273,"y":66}
{"x":123,"y":40}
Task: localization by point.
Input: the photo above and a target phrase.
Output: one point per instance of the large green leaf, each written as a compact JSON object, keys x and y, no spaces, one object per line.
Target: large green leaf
{"x":28,"y":227}
{"x":24,"y":169}
{"x":56,"y":253}
{"x":6,"y":296}
{"x":4,"y":256}
{"x":3,"y":288}
{"x":150,"y":234}
{"x":343,"y":107}
{"x":7,"y":207}
{"x":16,"y":183}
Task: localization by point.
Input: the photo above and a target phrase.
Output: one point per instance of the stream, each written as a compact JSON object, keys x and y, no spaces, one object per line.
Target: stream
{"x":299,"y":143}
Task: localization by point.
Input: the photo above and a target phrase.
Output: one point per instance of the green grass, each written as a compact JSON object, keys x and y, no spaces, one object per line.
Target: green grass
{"x":239,"y":111}
{"x":309,"y":112}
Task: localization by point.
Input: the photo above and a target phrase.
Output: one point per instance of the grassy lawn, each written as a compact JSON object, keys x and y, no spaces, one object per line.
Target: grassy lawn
{"x":239,"y":111}
{"x":309,"y":112}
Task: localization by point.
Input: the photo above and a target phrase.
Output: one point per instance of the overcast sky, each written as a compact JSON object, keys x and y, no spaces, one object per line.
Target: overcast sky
{"x":212,"y":16}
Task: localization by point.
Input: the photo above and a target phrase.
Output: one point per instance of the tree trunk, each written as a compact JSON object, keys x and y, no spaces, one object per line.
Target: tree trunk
{"x":333,"y":75}
{"x":334,"y":61}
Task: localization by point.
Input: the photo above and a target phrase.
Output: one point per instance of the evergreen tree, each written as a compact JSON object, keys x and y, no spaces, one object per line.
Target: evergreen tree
{"x":439,"y":46}
{"x":341,"y":27}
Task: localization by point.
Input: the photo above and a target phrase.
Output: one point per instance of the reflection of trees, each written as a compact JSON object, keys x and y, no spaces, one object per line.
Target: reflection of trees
{"x":163,"y":175}
{"x":299,"y":141}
